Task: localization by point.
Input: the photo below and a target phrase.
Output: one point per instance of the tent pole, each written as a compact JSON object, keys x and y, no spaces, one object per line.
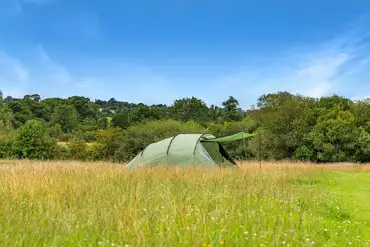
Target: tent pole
{"x":244,"y":149}
{"x":259,"y":145}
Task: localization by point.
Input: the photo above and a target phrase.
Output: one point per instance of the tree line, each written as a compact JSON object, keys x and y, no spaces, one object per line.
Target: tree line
{"x":288,"y":127}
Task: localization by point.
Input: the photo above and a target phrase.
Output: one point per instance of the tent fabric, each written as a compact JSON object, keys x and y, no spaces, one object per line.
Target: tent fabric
{"x":183,"y":150}
{"x":235,"y":137}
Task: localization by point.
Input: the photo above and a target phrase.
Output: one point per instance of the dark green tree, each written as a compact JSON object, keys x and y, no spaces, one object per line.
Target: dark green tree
{"x":33,"y":142}
{"x":6,"y":117}
{"x":216,"y":114}
{"x":282,"y":122}
{"x":232,"y":110}
{"x":334,"y":139}
{"x":66,"y":116}
{"x":187,"y":109}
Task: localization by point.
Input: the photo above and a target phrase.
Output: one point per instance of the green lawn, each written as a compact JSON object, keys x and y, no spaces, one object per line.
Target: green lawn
{"x":81,"y":204}
{"x":353,"y":188}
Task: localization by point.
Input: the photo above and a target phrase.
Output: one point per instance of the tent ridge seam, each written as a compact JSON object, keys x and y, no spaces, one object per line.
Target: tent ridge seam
{"x":197,"y":142}
{"x":169,"y":146}
{"x":195,"y":147}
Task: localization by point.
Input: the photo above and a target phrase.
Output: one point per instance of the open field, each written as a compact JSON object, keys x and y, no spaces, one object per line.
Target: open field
{"x":102,"y":204}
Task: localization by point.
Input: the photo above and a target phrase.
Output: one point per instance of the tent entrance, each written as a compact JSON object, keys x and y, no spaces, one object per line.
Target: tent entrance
{"x":225,"y":154}
{"x":218,"y":153}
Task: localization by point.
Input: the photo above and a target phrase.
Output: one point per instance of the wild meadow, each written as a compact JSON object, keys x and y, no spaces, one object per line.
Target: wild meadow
{"x":104,"y":204}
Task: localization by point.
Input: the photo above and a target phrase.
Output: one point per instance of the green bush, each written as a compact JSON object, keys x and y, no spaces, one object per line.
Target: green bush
{"x":303,"y":153}
{"x":77,"y":150}
{"x":62,"y":152}
{"x":136,"y":138}
{"x":5,"y":147}
{"x":55,"y":131}
{"x":87,"y":136}
{"x":109,"y":141}
{"x":65,"y":137}
{"x":95,"y":152}
{"x":33,"y":142}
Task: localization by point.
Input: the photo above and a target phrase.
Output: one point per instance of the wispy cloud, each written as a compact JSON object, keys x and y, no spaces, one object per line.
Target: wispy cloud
{"x":52,"y":79}
{"x":335,"y":67}
{"x":338,"y":66}
{"x":12,"y":70}
{"x":18,"y":77}
{"x":51,"y":70}
{"x":14,"y":76}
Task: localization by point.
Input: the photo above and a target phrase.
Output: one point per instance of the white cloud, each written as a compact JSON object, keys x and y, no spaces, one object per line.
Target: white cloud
{"x":22,"y":73}
{"x":331,"y":68}
{"x":17,"y":77}
{"x":49,"y":78}
{"x":12,"y":69}
{"x":317,"y":78}
{"x":13,"y":92}
{"x":14,"y":76}
{"x":360,"y":97}
{"x":53,"y":72}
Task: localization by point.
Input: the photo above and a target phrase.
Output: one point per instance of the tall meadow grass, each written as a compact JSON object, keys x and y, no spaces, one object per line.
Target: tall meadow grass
{"x":103,"y":204}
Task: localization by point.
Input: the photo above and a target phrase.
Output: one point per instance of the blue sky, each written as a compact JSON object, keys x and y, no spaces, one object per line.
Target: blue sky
{"x":159,"y":51}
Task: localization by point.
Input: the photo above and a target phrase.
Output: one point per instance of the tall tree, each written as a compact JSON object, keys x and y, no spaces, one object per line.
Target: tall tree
{"x":361,"y":110}
{"x":187,"y":109}
{"x":232,"y":110}
{"x":84,"y":107}
{"x":216,"y":114}
{"x":6,"y":117}
{"x":281,"y":119}
{"x":66,"y":116}
{"x":334,"y":138}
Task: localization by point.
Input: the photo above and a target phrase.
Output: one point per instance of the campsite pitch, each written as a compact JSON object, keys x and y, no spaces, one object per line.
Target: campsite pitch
{"x":102,"y":204}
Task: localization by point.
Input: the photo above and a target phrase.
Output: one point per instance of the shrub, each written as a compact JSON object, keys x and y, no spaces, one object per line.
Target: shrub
{"x":303,"y":153}
{"x":62,"y":152}
{"x":87,"y":136}
{"x":55,"y":131}
{"x":109,"y":141}
{"x":5,"y":147}
{"x":77,"y":150}
{"x":33,"y":142}
{"x":65,"y":137}
{"x":94,"y":152}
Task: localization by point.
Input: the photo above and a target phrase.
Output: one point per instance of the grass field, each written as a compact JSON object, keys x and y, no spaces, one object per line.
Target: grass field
{"x":101,"y":204}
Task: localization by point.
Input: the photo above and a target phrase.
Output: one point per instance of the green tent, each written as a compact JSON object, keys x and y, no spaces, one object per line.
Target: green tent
{"x":187,"y":150}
